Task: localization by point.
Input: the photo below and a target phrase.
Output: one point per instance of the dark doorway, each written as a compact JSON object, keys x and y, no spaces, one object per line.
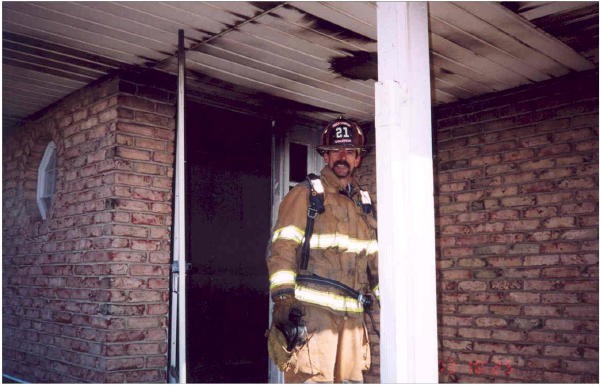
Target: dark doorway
{"x":229,"y":210}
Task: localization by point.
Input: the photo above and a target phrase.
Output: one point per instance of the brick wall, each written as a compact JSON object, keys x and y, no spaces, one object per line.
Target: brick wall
{"x":85,"y":292}
{"x":517,"y":222}
{"x":517,"y":234}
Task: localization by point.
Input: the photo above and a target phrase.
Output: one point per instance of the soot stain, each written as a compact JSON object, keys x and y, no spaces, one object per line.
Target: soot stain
{"x":361,"y":65}
{"x":265,"y":5}
{"x":330,"y":28}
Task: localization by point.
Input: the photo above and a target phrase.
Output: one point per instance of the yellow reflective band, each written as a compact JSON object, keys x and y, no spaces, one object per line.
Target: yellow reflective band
{"x":282,"y":278}
{"x":372,"y":248}
{"x":376,"y":291}
{"x":327,"y":299}
{"x":289,"y":232}
{"x":342,"y":242}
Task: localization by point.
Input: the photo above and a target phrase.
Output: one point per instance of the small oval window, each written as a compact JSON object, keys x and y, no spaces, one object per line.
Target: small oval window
{"x":46,"y":183}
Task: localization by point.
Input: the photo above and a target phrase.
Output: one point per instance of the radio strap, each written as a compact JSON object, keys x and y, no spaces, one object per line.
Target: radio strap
{"x":315,"y":206}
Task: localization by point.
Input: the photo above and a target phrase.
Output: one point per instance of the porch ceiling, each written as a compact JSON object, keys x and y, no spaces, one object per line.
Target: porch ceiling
{"x":316,"y":58}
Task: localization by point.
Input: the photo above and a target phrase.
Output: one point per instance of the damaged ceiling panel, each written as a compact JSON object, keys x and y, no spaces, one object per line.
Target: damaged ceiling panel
{"x":313,"y":59}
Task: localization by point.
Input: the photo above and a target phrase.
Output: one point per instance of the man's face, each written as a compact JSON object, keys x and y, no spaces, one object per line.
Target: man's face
{"x":342,"y":161}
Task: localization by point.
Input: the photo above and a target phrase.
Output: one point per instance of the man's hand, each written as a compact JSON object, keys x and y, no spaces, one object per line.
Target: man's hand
{"x":287,"y":317}
{"x":283,"y":305}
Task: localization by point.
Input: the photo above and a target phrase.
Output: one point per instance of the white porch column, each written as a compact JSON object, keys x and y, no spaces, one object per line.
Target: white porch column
{"x":406,"y":227}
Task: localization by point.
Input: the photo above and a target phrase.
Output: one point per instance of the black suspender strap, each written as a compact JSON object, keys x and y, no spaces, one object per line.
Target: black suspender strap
{"x":315,"y":206}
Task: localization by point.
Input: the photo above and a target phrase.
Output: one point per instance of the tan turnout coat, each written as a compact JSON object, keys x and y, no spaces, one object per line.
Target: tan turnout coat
{"x":343,"y":248}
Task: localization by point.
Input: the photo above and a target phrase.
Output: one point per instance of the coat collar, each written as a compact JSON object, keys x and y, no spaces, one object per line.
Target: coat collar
{"x":332,"y":183}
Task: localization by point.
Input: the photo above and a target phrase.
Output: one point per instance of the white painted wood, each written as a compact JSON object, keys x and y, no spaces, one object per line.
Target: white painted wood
{"x":356,"y":16}
{"x":486,"y":49}
{"x":49,"y":80}
{"x":284,"y":51}
{"x":55,"y":25}
{"x":295,"y":21}
{"x":457,"y":80}
{"x":278,"y":178}
{"x":365,"y":11}
{"x":526,"y":32}
{"x":440,"y":96}
{"x":406,"y":227}
{"x":278,"y":65}
{"x":179,"y":244}
{"x":274,"y":85}
{"x":36,"y":90}
{"x":101,"y":22}
{"x":541,"y":9}
{"x":483,"y":64}
{"x":462,"y":69}
{"x":447,"y":87}
{"x":497,"y":35}
{"x":310,"y":137}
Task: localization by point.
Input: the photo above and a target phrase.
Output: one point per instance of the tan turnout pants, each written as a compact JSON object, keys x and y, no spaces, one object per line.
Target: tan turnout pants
{"x":337,"y":349}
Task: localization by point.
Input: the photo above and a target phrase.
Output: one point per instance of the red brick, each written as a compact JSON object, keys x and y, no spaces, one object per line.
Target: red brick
{"x":456,"y":274}
{"x":157,"y":309}
{"x":457,"y":252}
{"x":133,"y":179}
{"x":162,"y":283}
{"x":144,"y":322}
{"x":151,"y":144}
{"x":135,"y":129}
{"x":472,"y":285}
{"x":522,"y":225}
{"x":460,"y":175}
{"x":584,"y":207}
{"x":581,"y":234}
{"x":507,"y":335}
{"x":504,"y":262}
{"x":534,"y":165}
{"x":577,"y":183}
{"x":148,"y":168}
{"x":477,"y":333}
{"x":585,"y":311}
{"x":523,"y":297}
{"x":133,"y":154}
{"x":490,"y":322}
{"x":518,"y":201}
{"x":133,"y":231}
{"x":562,"y":351}
{"x":517,"y":155}
{"x":505,"y":309}
{"x":561,"y":272}
{"x":456,"y":320}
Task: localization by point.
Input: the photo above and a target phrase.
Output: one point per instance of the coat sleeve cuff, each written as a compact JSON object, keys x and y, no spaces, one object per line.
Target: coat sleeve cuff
{"x":282,"y":283}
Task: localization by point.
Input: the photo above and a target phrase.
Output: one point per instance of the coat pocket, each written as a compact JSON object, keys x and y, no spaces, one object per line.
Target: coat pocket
{"x":308,"y":358}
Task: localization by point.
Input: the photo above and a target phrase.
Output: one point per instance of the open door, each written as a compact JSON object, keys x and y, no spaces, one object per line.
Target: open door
{"x":294,"y":156}
{"x":229,"y":209}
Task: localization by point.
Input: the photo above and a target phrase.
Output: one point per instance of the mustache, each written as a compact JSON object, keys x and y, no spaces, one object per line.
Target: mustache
{"x":341,"y":162}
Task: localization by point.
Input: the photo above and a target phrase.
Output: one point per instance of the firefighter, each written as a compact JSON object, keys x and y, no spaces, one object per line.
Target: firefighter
{"x":323,"y":268}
